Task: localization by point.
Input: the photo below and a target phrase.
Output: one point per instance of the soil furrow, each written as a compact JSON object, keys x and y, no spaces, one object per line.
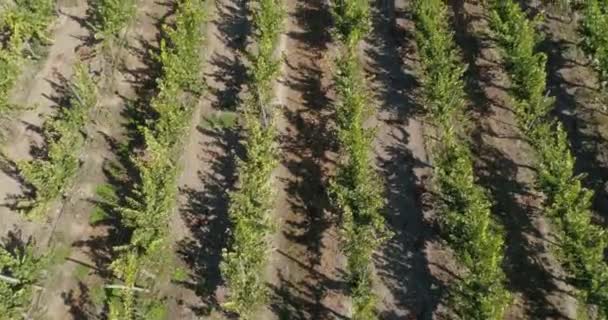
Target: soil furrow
{"x":210,"y":161}
{"x":406,"y":287}
{"x":306,"y":267}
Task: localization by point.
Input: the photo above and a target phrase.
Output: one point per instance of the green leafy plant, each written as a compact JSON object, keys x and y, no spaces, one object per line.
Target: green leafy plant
{"x":465,"y":207}
{"x":23,"y":22}
{"x":595,"y":35}
{"x":149,"y":204}
{"x":110,"y":20}
{"x":251,"y":204}
{"x":50,"y":176}
{"x":27,"y":20}
{"x":518,"y":39}
{"x":112,"y":17}
{"x":20,"y":268}
{"x":581,"y":244}
{"x":354,"y":190}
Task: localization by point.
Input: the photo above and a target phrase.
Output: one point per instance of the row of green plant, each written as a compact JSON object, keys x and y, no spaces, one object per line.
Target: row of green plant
{"x":595,"y":35}
{"x":20,"y":269}
{"x":51,"y":175}
{"x":581,"y":245}
{"x":356,"y":189}
{"x":23,"y":24}
{"x":465,"y":207}
{"x":148,"y":205}
{"x":244,"y":262}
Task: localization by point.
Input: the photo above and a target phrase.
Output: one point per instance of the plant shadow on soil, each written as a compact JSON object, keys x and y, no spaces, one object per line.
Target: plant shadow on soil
{"x":205,"y":212}
{"x":497,"y":173}
{"x":402,"y":265}
{"x":305,"y":144}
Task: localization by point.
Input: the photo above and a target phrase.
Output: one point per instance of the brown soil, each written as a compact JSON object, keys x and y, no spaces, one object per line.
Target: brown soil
{"x":306,"y":265}
{"x":406,"y":286}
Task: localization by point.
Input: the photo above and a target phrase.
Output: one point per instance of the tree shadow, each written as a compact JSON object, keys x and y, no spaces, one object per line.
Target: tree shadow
{"x":306,"y":142}
{"x":402,"y":265}
{"x":206,"y":214}
{"x":232,"y":29}
{"x":79,"y":302}
{"x":294,"y":301}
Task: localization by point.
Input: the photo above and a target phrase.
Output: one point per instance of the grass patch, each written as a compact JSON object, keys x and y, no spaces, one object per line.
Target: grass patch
{"x":220,"y":120}
{"x":98,"y":215}
{"x":98,"y":295}
{"x":81,"y":272}
{"x":59,"y":254}
{"x":180,"y":274}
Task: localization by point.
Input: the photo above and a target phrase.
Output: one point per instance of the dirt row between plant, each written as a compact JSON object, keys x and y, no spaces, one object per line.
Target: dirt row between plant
{"x":308,"y":280}
{"x":306,"y":272}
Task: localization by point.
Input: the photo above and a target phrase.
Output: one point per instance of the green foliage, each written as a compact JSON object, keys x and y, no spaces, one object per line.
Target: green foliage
{"x":152,"y":200}
{"x":518,"y":40}
{"x":268,"y":18}
{"x":23,"y":265}
{"x":351,"y":20}
{"x":180,"y":54}
{"x":250,"y":207}
{"x":466,"y":208}
{"x":112,"y":17}
{"x":10,"y":67}
{"x":122,"y":302}
{"x":441,"y":67}
{"x":180,"y":274}
{"x":478,"y":242}
{"x":355,"y":189}
{"x":50,"y":176}
{"x":581,"y":245}
{"x":251,"y":204}
{"x":23,"y":22}
{"x":595,"y":35}
{"x":27,"y":20}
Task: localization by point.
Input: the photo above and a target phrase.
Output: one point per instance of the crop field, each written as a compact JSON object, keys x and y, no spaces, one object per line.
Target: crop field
{"x":303,"y":159}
